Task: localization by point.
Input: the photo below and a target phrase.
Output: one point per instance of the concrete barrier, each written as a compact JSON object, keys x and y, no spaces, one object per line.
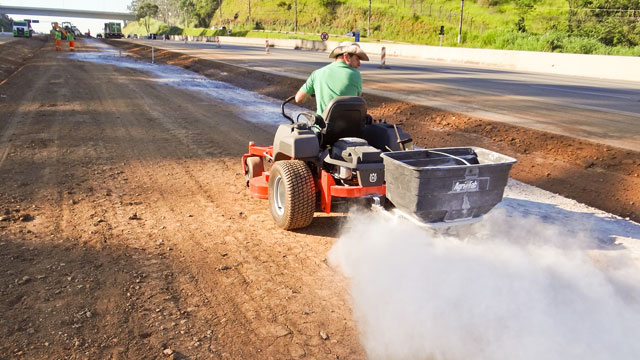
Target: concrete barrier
{"x":194,"y":38}
{"x":599,"y":66}
{"x":625,"y":68}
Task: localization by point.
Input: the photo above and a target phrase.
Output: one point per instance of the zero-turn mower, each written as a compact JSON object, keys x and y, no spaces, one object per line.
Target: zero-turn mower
{"x":344,"y":154}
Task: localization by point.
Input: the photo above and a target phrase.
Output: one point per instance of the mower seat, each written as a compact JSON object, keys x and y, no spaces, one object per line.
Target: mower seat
{"x":344,"y":116}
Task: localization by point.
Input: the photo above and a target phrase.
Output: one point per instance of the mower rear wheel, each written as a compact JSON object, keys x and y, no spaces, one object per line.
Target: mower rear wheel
{"x":292,"y":194}
{"x":254,"y":167}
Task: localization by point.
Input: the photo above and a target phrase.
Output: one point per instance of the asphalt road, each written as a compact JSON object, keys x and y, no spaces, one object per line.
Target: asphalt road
{"x":603,"y":111}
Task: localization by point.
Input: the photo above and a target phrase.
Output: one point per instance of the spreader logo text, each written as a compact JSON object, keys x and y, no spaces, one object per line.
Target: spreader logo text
{"x":465,"y":186}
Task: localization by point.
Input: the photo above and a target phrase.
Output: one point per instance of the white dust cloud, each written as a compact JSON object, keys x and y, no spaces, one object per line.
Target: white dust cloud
{"x":510,"y":288}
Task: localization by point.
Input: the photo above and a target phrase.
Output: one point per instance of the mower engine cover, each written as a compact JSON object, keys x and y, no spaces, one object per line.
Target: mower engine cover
{"x":355,"y":151}
{"x":357,"y":154}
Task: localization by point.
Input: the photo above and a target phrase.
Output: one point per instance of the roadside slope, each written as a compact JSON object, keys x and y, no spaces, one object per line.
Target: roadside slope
{"x":13,"y":54}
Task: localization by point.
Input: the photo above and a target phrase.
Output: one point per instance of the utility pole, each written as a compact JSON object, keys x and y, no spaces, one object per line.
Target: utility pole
{"x":249,"y":2}
{"x":460,"y":26}
{"x":295,"y":16}
{"x":369,"y":20}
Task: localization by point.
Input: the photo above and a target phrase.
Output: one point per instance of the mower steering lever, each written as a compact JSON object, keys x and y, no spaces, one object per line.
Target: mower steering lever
{"x":282,"y":107}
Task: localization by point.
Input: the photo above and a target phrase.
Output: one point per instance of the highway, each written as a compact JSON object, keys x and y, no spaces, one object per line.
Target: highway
{"x":603,"y":111}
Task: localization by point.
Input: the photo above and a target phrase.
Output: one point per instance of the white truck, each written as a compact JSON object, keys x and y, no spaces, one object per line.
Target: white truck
{"x":22,"y":28}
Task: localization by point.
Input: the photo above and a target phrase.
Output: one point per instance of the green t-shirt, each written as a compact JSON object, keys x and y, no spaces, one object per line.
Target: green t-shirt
{"x":70,"y":36}
{"x":58,"y":35}
{"x":333,"y":80}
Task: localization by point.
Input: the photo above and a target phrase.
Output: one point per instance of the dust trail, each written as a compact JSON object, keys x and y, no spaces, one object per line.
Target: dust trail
{"x":514,"y":287}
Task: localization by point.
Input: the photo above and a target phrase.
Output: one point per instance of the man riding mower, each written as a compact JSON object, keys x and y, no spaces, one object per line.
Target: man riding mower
{"x":352,"y":156}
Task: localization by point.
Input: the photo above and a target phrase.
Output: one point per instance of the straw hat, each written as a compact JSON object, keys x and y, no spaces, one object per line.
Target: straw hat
{"x":348,"y":47}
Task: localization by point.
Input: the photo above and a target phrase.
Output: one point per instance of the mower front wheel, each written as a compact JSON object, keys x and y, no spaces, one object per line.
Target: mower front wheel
{"x":292,"y":194}
{"x":254,"y":167}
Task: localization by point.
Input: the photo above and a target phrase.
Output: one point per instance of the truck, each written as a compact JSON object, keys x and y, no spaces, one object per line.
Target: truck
{"x":22,"y":28}
{"x":112,"y":30}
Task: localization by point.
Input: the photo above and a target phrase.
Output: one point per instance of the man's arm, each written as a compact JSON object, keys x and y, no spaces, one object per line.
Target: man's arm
{"x":307,"y":90}
{"x":301,"y":96}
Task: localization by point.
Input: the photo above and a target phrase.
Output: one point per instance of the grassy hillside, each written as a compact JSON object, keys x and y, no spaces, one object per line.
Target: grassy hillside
{"x":537,"y":25}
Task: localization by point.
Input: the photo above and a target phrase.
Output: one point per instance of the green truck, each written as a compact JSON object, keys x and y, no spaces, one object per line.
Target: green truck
{"x":112,"y":30}
{"x":22,"y":29}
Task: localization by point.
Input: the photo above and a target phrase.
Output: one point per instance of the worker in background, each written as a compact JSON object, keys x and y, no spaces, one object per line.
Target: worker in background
{"x":58,"y":36}
{"x":71,"y":39}
{"x":340,"y":78}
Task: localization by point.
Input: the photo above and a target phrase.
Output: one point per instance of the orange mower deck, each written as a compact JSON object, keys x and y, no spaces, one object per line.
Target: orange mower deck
{"x":259,"y":186}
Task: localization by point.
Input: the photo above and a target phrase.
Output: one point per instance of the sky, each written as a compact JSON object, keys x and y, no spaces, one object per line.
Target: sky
{"x":95,"y":25}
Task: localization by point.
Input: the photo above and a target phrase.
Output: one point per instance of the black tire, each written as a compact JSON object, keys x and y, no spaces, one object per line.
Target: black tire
{"x":292,"y":194}
{"x":254,"y":167}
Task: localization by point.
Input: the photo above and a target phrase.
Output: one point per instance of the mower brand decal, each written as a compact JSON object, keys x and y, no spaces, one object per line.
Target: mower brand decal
{"x":470,"y":185}
{"x":373,"y":177}
{"x":465,"y":186}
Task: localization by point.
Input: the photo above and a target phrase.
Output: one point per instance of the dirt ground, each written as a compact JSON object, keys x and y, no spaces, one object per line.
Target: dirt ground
{"x":126,"y":231}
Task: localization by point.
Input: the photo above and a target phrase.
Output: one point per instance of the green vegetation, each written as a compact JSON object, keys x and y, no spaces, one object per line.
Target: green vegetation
{"x":291,"y":35}
{"x":575,"y":26}
{"x":5,"y":23}
{"x":145,"y":12}
{"x":159,"y":27}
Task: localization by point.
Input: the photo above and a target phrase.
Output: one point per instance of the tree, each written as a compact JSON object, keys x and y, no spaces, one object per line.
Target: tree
{"x":189,"y":9}
{"x":205,"y":9}
{"x":146,"y":11}
{"x":168,"y":10}
{"x":133,"y":7}
{"x":523,"y":8}
{"x":5,"y":22}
